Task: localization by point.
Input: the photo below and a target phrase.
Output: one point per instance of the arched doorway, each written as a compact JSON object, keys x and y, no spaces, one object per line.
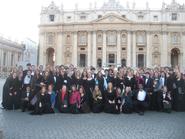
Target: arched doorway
{"x":50,"y":56}
{"x":175,"y":57}
{"x":123,"y":62}
{"x":99,"y":63}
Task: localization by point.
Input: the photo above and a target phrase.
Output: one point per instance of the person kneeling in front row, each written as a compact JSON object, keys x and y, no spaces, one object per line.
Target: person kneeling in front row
{"x":26,"y":98}
{"x":140,"y":103}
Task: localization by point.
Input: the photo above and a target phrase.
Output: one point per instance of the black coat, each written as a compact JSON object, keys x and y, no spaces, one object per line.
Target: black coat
{"x":148,"y":86}
{"x":132,"y":83}
{"x":11,"y":85}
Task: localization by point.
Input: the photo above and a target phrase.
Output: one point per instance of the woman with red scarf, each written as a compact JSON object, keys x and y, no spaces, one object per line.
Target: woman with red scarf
{"x":74,"y":100}
{"x":63,"y":100}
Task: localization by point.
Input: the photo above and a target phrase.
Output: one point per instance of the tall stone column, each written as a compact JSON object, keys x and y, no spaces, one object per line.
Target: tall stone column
{"x":164,"y":50}
{"x":104,"y":53}
{"x":118,"y":48}
{"x":41,"y":49}
{"x":89,"y":50}
{"x":183,"y":55}
{"x":1,"y":59}
{"x":94,"y":50}
{"x":8,"y":59}
{"x":148,"y":50}
{"x":128,"y":49}
{"x":59,"y":50}
{"x":134,"y":50}
{"x":74,"y":56}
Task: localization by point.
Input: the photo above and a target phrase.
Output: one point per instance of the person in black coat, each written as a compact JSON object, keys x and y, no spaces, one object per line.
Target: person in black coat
{"x":99,"y":80}
{"x":48,"y":78}
{"x":76,"y":79}
{"x":110,"y":97}
{"x":84,"y":106}
{"x":26,"y":98}
{"x":148,"y":87}
{"x":43,"y":102}
{"x":179,"y":95}
{"x":118,"y":100}
{"x":119,"y":82}
{"x":88,"y":83}
{"x":36,"y":81}
{"x":127,"y":103}
{"x":11,"y":92}
{"x":93,"y":72}
{"x":97,"y":100}
{"x":130,"y":81}
{"x":6,"y":90}
{"x":166,"y":100}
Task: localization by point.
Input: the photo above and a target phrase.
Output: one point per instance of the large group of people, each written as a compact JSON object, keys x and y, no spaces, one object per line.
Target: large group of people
{"x":67,"y":89}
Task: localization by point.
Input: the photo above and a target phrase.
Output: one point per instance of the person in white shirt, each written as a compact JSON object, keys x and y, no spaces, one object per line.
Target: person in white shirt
{"x":141,"y":100}
{"x":27,"y":80}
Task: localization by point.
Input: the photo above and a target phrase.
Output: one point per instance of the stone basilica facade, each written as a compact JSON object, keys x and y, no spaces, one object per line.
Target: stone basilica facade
{"x":11,"y":54}
{"x":113,"y":35}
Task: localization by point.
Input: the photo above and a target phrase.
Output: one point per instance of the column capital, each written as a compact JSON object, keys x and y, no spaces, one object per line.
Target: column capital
{"x":75,"y":32}
{"x":119,"y":31}
{"x":90,"y":31}
{"x":104,"y":31}
{"x":164,"y":32}
{"x":183,"y":33}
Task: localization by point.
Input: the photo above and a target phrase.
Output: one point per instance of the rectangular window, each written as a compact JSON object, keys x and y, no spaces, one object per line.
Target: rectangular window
{"x":174,"y":16}
{"x":68,"y":17}
{"x":82,"y":39}
{"x":124,"y":16}
{"x":50,"y":39}
{"x":82,"y":60}
{"x":99,"y":48}
{"x":52,"y":18}
{"x":155,"y":18}
{"x":82,"y":48}
{"x":111,"y":58}
{"x":140,"y":17}
{"x":175,"y":38}
{"x":99,"y":16}
{"x":112,"y":39}
{"x":83,"y":17}
{"x":140,"y":59}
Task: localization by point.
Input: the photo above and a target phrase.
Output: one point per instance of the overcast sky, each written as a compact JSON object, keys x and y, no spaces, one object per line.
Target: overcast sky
{"x":19,"y":19}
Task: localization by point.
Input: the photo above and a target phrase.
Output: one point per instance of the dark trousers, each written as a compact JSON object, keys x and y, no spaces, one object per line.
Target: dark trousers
{"x":140,"y":106}
{"x":13,"y":102}
{"x":44,"y":109}
{"x":26,"y":105}
{"x":110,"y":108}
{"x":159,"y":101}
{"x":156,"y":101}
{"x":74,"y":109}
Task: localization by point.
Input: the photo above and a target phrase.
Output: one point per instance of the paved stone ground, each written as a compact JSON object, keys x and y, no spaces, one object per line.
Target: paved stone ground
{"x":153,"y":125}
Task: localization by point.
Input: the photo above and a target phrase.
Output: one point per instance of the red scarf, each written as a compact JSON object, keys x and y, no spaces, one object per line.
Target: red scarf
{"x":63,"y":95}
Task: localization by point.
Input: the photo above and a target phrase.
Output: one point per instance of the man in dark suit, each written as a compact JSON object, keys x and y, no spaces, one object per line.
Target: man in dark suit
{"x":93,"y":72}
{"x":26,"y":98}
{"x":148,"y":87}
{"x":29,"y":68}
